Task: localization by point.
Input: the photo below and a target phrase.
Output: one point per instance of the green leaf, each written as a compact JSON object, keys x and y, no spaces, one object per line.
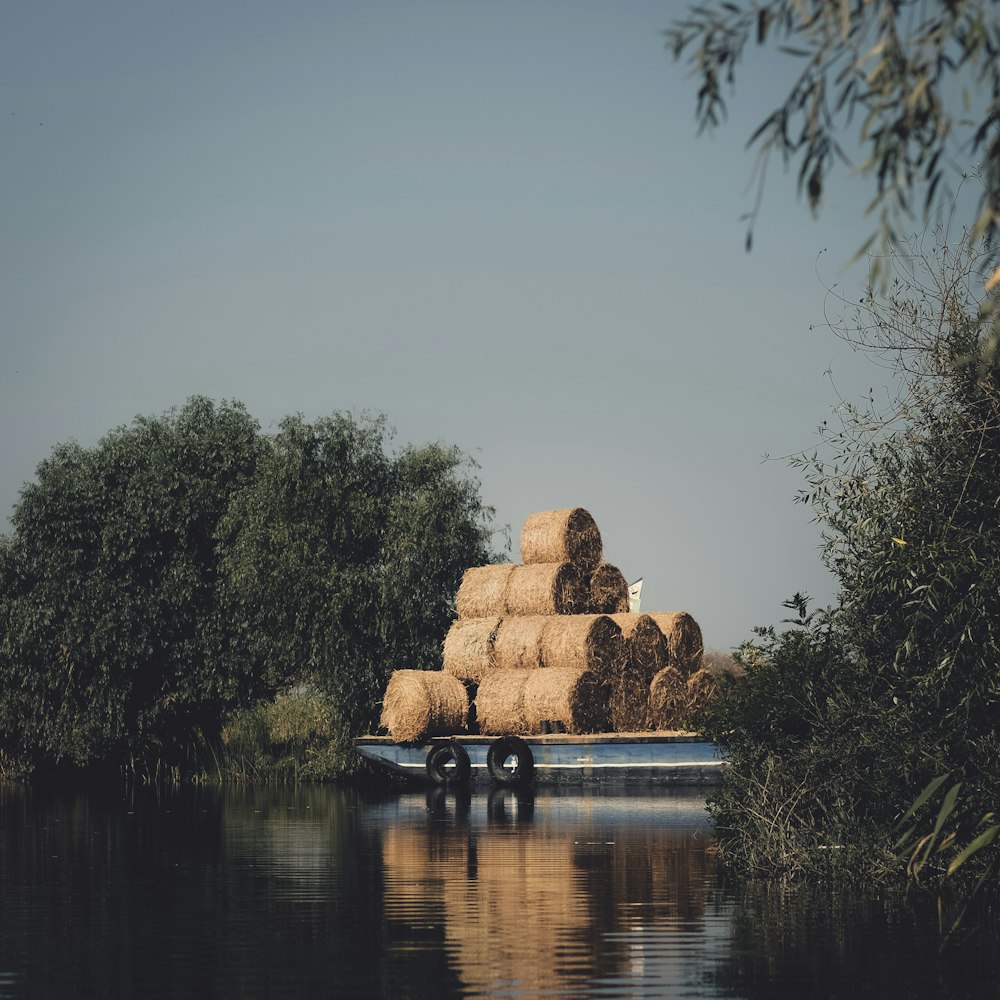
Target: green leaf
{"x":983,"y":840}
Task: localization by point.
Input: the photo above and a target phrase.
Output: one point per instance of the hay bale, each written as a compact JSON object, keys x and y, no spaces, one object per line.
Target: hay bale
{"x":468,"y":648}
{"x":576,"y":698}
{"x":584,"y":642}
{"x":480,"y":594}
{"x":608,"y":591}
{"x":545,"y":589}
{"x":701,"y":688}
{"x":518,"y":643}
{"x":500,"y":702}
{"x":568,"y":535}
{"x":646,"y":644}
{"x":629,"y":702}
{"x":684,"y":641}
{"x":421,"y":703}
{"x":668,"y":698}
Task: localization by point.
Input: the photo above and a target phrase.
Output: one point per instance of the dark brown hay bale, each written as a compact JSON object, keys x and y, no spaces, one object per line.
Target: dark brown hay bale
{"x":518,"y":643}
{"x":608,"y":591}
{"x":701,"y":688}
{"x":481,"y":592}
{"x":421,"y":703}
{"x":629,"y":703}
{"x":568,"y":535}
{"x":576,"y":698}
{"x":468,"y":648}
{"x":668,"y":695}
{"x":584,"y":642}
{"x":500,"y":702}
{"x":646,"y":643}
{"x":545,"y":589}
{"x":684,"y":641}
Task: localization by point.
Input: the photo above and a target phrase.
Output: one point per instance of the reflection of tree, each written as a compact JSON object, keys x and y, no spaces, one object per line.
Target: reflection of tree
{"x":833,"y":943}
{"x":198,"y":892}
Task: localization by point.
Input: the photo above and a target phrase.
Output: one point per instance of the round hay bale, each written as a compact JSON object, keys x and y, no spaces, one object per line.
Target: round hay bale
{"x":608,"y":591}
{"x":567,"y":535}
{"x":647,"y":646}
{"x":500,"y":702}
{"x":420,"y":703}
{"x":684,"y":641}
{"x":468,"y":648}
{"x":480,"y":594}
{"x":629,"y":702}
{"x":576,"y":698}
{"x":584,"y":642}
{"x":701,"y":688}
{"x":545,"y":589}
{"x":668,"y":696}
{"x":518,"y":643}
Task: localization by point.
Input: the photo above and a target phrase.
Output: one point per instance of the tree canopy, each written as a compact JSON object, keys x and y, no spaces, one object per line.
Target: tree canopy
{"x":917,"y":84}
{"x":188,"y":564}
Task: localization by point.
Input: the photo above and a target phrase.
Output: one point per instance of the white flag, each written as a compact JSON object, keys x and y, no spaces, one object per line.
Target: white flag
{"x":634,"y":595}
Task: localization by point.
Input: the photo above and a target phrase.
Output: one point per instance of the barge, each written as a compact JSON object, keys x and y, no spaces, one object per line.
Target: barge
{"x":551,"y":759}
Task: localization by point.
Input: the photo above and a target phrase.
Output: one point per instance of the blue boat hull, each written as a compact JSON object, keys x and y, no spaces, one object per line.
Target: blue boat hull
{"x":600,"y":759}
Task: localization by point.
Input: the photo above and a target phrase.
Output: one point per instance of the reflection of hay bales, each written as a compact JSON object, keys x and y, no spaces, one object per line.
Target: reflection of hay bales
{"x":591,"y":642}
{"x":544,"y":589}
{"x":668,"y":695}
{"x":518,"y":643}
{"x":519,"y":701}
{"x":481,"y":592}
{"x":468,"y":648}
{"x":701,"y":688}
{"x":421,"y":703}
{"x":554,"y":536}
{"x":511,"y":924}
{"x":629,"y":702}
{"x":646,"y":643}
{"x":684,"y":641}
{"x":608,"y":591}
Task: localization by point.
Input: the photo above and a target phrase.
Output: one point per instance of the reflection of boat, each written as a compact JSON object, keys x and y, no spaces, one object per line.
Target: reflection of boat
{"x":558,"y":758}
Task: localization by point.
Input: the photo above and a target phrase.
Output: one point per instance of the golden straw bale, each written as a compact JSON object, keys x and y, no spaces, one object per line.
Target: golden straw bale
{"x":629,"y":703}
{"x":468,"y":648}
{"x":576,"y":698}
{"x":701,"y":688}
{"x":480,"y":594}
{"x":668,"y":696}
{"x":684,"y":641}
{"x":500,"y":702}
{"x":589,"y":642}
{"x":518,"y":643}
{"x":568,"y":535}
{"x":646,"y":643}
{"x":608,"y":591}
{"x":545,"y":589}
{"x":420,"y":703}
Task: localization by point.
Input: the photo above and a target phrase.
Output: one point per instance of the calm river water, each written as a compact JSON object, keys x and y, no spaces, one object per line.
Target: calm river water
{"x":319,"y":892}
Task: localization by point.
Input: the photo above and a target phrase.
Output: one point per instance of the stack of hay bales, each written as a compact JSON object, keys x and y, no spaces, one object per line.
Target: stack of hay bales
{"x":549,"y":645}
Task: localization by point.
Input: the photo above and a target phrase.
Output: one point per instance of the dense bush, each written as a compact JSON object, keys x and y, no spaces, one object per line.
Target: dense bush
{"x":847,"y":715}
{"x":188,"y":566}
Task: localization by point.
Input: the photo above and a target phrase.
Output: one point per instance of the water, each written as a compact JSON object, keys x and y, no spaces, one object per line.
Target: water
{"x":279,"y":892}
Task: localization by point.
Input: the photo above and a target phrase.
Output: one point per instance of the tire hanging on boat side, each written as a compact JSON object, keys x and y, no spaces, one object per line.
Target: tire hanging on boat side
{"x":440,"y":756}
{"x":502,"y":750}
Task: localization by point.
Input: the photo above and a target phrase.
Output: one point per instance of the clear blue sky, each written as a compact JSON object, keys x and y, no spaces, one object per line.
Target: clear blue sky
{"x":492,"y":221}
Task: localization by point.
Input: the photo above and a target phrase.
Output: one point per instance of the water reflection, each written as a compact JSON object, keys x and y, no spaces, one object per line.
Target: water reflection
{"x":554,"y":895}
{"x":284,"y":892}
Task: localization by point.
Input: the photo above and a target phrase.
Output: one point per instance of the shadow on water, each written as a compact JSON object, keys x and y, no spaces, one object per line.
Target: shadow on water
{"x":313,"y":891}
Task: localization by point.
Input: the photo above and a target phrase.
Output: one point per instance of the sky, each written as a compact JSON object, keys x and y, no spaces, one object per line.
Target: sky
{"x":495,"y":222}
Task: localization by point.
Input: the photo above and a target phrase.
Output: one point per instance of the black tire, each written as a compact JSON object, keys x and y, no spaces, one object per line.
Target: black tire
{"x":510,"y":761}
{"x":440,"y":756}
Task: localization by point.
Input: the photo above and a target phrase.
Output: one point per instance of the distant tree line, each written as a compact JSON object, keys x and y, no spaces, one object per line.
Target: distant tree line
{"x":189,"y":565}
